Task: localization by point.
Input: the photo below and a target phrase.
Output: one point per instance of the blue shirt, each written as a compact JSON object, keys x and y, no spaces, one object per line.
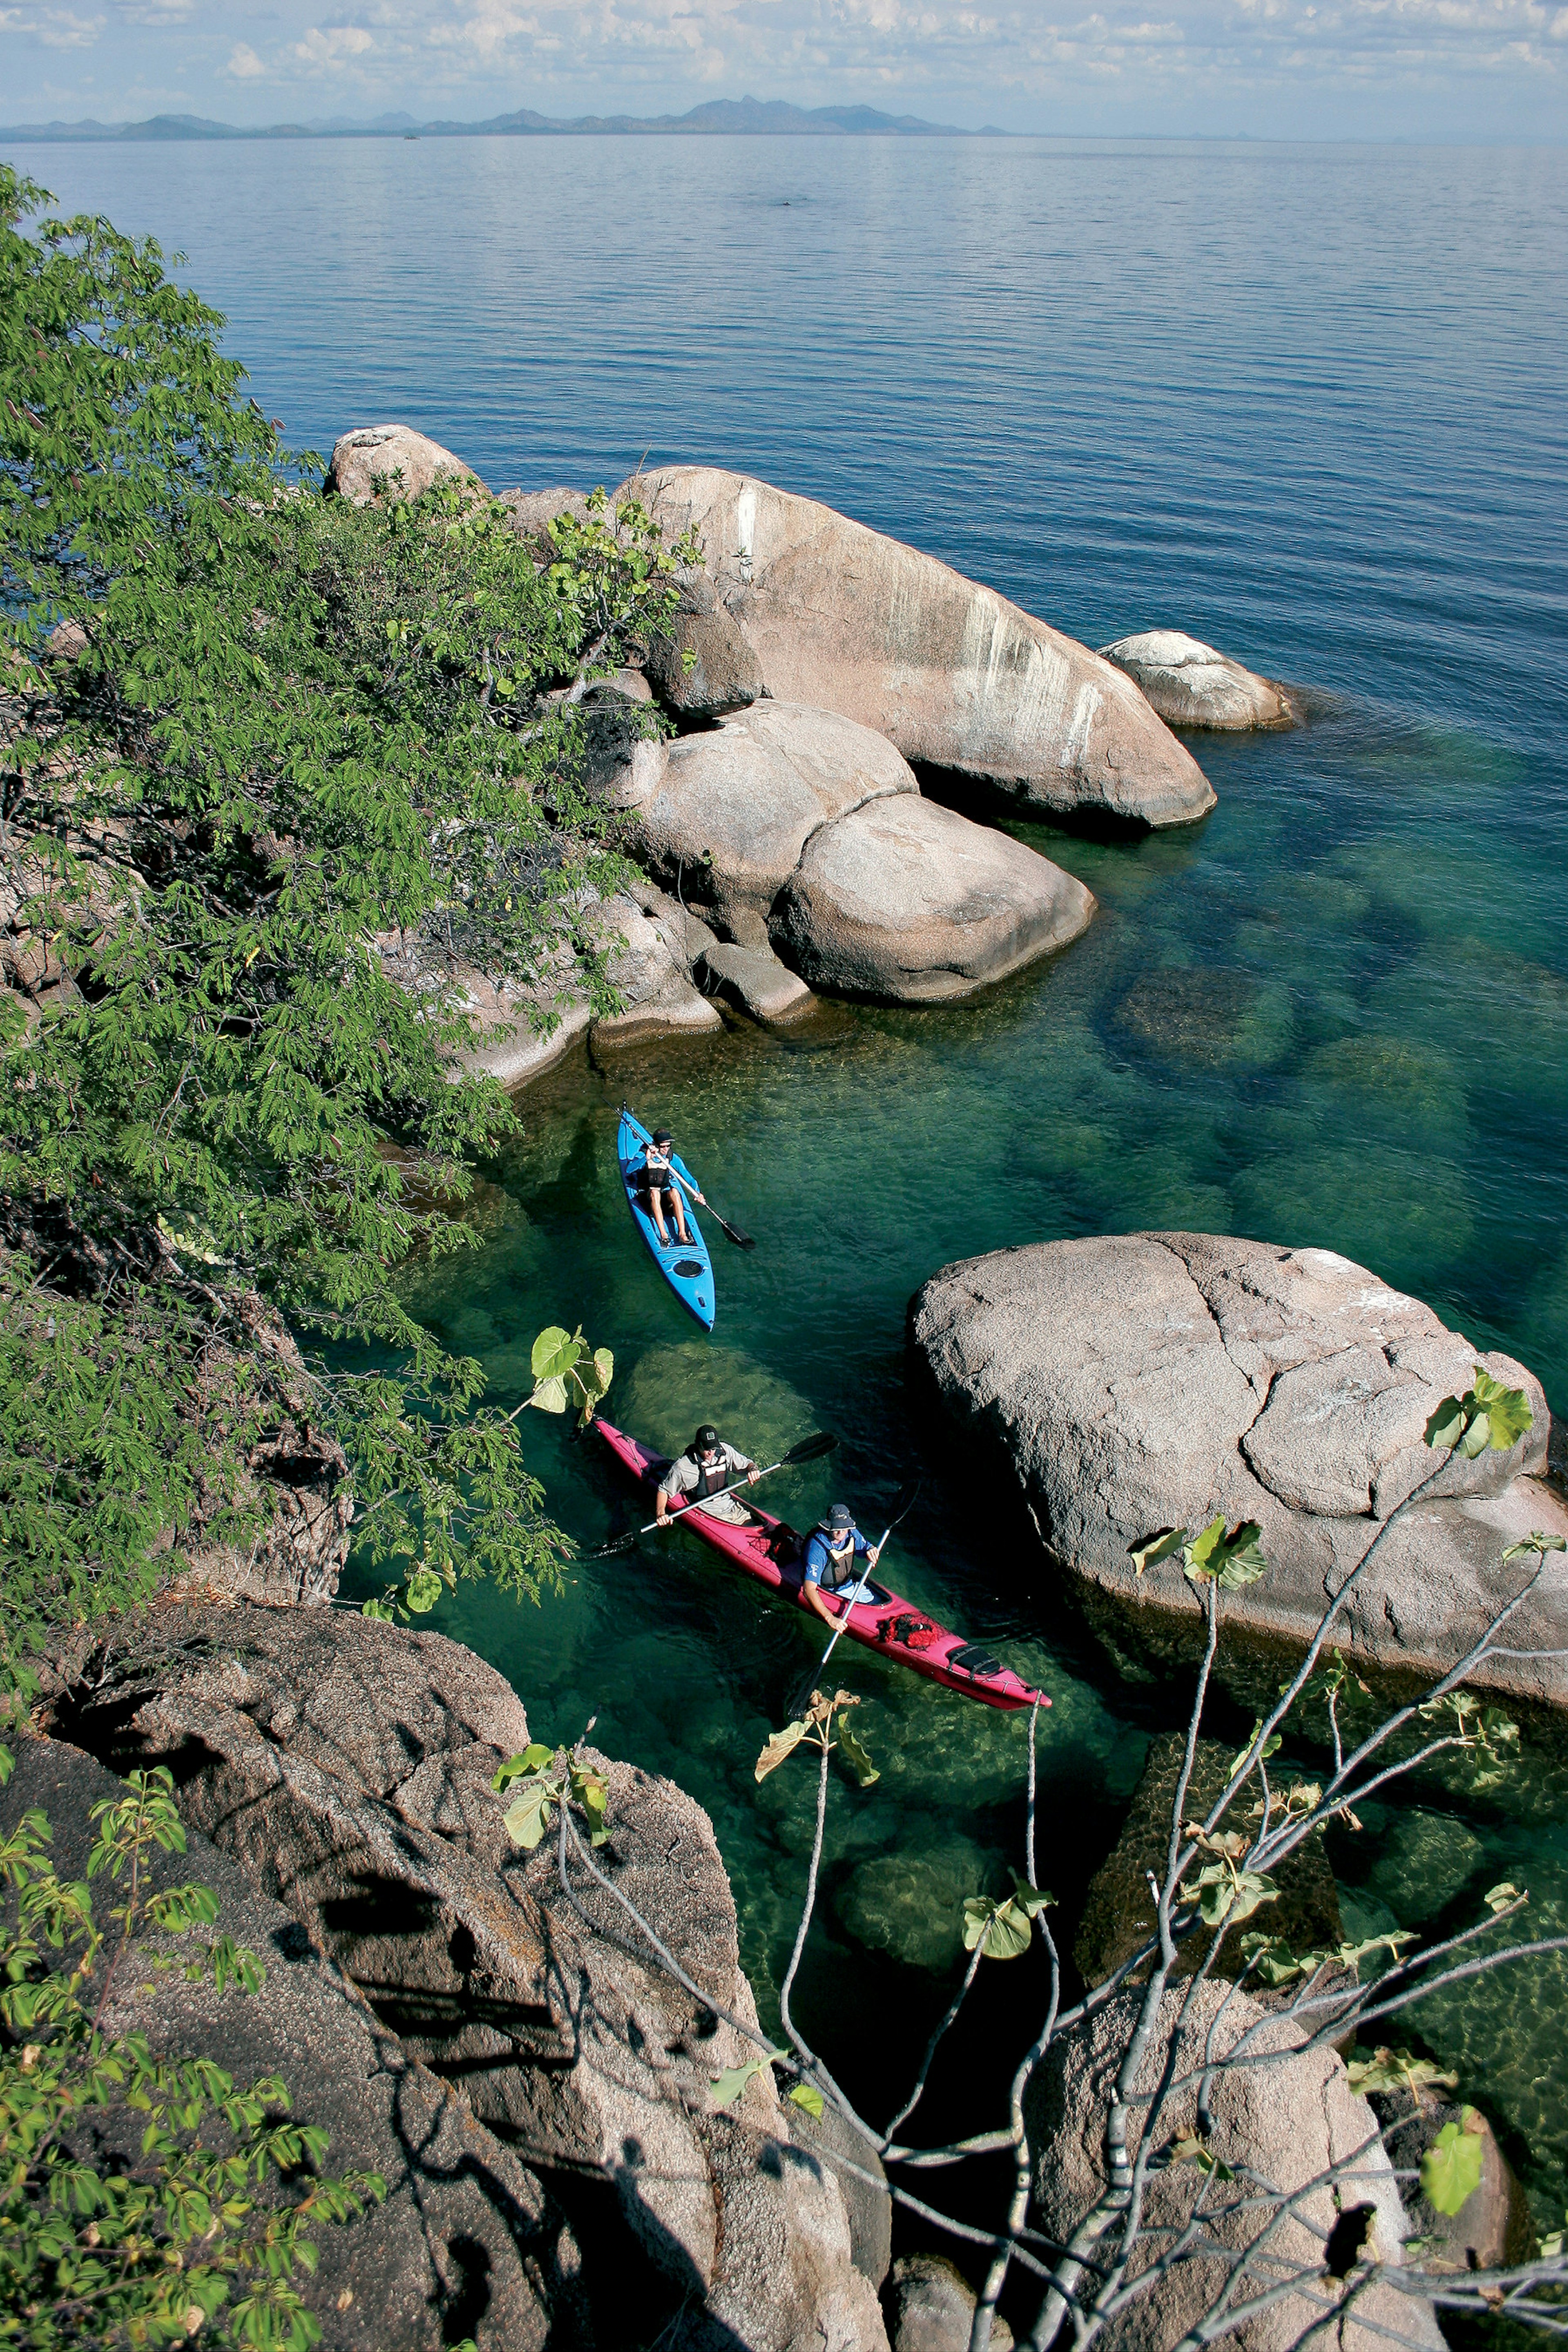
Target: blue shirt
{"x":816,"y":1559}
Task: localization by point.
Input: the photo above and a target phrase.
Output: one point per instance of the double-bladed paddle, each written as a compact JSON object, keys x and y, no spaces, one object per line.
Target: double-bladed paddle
{"x":810,"y":1449}
{"x":741,"y":1239}
{"x":901,"y":1510}
{"x":738,"y":1234}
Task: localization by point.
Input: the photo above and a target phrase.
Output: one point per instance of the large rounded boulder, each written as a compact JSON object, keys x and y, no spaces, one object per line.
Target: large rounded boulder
{"x":960,"y":679}
{"x":1190,"y":685}
{"x":907,"y":901}
{"x":1137,"y":1382}
{"x":374,"y":463}
{"x":1282,"y":2119}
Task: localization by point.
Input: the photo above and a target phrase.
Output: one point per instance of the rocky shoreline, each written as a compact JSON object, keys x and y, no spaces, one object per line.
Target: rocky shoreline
{"x":819,"y":677}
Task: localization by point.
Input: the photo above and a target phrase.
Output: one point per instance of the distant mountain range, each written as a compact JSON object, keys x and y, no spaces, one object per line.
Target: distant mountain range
{"x":753,"y":117}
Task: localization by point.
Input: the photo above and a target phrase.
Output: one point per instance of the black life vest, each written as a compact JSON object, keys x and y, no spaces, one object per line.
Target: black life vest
{"x":841,"y":1565}
{"x":711,"y":1482}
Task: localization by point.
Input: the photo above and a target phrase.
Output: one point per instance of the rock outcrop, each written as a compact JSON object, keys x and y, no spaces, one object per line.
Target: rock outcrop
{"x":1493,"y":2228}
{"x":703,"y":667}
{"x":467,"y":2241}
{"x":346,"y":1767}
{"x":1145,"y":1380}
{"x":532,"y":512}
{"x":841,"y":618}
{"x":390,"y":461}
{"x":1284,"y":2121}
{"x":930,"y":2307}
{"x":1190,"y":685}
{"x":754,"y":978}
{"x":803,"y":831}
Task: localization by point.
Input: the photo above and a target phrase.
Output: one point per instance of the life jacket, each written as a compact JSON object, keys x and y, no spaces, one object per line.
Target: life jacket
{"x":840,"y":1564}
{"x":711,"y":1481}
{"x":657,"y":1170}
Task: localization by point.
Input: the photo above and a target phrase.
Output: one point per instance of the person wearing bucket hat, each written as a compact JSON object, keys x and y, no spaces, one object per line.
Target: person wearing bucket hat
{"x":709,"y":1464}
{"x":831,"y":1550}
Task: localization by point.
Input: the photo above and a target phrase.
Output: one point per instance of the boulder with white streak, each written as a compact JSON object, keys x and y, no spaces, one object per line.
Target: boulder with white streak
{"x":847,"y":619}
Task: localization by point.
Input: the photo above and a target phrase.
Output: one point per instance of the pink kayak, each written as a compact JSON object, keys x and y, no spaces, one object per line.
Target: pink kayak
{"x":894,"y":1627}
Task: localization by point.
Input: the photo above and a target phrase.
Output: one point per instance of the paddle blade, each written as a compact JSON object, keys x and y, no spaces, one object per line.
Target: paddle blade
{"x":607,"y":1551}
{"x":811,"y":1449}
{"x":738,"y":1234}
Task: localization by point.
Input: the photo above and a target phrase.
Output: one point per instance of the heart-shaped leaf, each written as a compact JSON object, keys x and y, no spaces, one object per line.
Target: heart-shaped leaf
{"x":1157,"y":1547}
{"x":808,"y":2096}
{"x":422,"y":1591}
{"x":1451,"y":2168}
{"x":780,"y":1745}
{"x":528,"y":1817}
{"x":1003,"y":1927}
{"x":555,"y":1353}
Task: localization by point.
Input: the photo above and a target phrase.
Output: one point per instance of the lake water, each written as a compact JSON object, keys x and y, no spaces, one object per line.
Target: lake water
{"x":1310,"y":403}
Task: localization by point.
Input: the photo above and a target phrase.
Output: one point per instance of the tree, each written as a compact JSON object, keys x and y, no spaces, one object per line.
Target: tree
{"x":276,"y":774}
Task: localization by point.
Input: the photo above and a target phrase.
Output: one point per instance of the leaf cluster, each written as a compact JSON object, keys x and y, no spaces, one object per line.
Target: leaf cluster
{"x":1211,"y":1557}
{"x":1488,"y":1416}
{"x":546,"y":1777}
{"x":290,"y":783}
{"x":142,"y":2199}
{"x":825,"y":1726}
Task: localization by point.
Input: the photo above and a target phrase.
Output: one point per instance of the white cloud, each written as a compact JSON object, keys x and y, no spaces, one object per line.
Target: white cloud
{"x":54,"y":28}
{"x":243,"y":62}
{"x":322,"y":49}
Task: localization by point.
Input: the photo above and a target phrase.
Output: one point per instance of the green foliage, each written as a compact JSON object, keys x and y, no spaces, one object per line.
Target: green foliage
{"x":546,"y":1777}
{"x":1195,"y":2149}
{"x":1451,"y":2167}
{"x":569,"y":1371}
{"x":726,"y":2087}
{"x":1480,"y":1730}
{"x":1486,"y":1415}
{"x":1274,"y":1961}
{"x":1224,"y":1890}
{"x":117,"y":1428}
{"x":1211,"y":1558}
{"x":825,"y":1726}
{"x":142,"y":2199}
{"x":1006,"y":1927}
{"x":1396,"y":2070}
{"x":305,"y":768}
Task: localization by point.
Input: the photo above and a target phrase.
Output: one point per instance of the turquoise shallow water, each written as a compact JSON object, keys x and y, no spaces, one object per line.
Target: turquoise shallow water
{"x":1309,"y":402}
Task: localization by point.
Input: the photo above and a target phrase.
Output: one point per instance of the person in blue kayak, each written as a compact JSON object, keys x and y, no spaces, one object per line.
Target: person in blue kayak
{"x":831,"y":1552}
{"x":660,"y":1189}
{"x":707,"y":1467}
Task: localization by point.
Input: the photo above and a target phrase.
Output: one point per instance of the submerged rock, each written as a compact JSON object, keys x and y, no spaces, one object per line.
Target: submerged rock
{"x":347,"y":1767}
{"x":844,"y":619}
{"x":1145,"y":1380}
{"x":389,"y":461}
{"x":1190,"y":685}
{"x":1284,"y":2120}
{"x":1119,"y":1908}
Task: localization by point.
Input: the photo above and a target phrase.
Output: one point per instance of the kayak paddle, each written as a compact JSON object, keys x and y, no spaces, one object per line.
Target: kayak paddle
{"x":901,"y":1509}
{"x":810,"y":1449}
{"x":741,"y":1239}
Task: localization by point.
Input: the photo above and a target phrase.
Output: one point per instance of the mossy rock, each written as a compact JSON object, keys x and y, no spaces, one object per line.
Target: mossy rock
{"x":1119,"y":1909}
{"x":910,"y":1905}
{"x":1206,"y":1019}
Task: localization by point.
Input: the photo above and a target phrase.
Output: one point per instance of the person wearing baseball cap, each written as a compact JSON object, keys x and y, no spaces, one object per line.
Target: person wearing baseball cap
{"x":699,"y":1478}
{"x":830,"y":1572}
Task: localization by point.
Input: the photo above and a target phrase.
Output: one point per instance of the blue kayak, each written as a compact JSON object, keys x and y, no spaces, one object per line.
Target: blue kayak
{"x":684,"y":1266}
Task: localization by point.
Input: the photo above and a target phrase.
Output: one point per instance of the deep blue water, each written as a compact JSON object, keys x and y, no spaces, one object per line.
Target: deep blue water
{"x":1309,"y":402}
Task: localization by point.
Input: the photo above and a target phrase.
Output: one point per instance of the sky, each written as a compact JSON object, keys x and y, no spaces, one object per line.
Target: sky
{"x":1440,"y":69}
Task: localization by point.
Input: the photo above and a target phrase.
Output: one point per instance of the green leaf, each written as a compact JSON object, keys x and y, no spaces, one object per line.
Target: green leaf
{"x":1509,"y":1410}
{"x":1451,"y":2168}
{"x":780,"y":1745}
{"x":528,"y":1817}
{"x":808,"y":2096}
{"x":1396,"y":2070}
{"x":382,"y":1611}
{"x":1009,"y":1929}
{"x":1537,"y":1542}
{"x":1203,"y":1548}
{"x":550,"y":1396}
{"x":1193,"y":2149}
{"x":555,"y":1353}
{"x":1271,"y":1747}
{"x":1157,"y":1547}
{"x":422,"y":1591}
{"x":533,"y":1758}
{"x":1446,"y":1425}
{"x":728,"y":2086}
{"x":1501,"y":1896}
{"x":856,"y":1756}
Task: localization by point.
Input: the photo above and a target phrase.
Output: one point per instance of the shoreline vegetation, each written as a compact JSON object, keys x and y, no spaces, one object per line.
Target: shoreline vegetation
{"x":307,"y":801}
